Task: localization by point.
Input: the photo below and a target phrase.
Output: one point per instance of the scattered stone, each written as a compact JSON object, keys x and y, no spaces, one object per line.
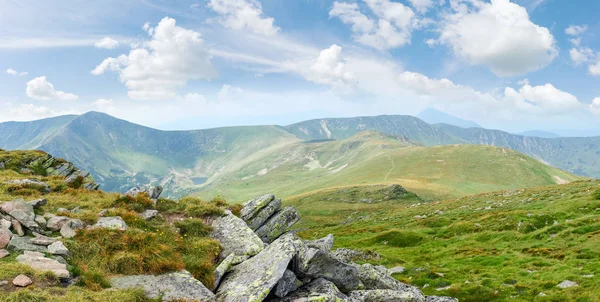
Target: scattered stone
{"x":40,"y":220}
{"x":55,"y":223}
{"x":17,"y":227}
{"x":587,"y":276}
{"x":62,"y":210}
{"x":38,"y":203}
{"x":39,"y":262}
{"x":439,"y":289}
{"x":67,"y":232}
{"x":114,"y":222}
{"x":61,"y":260}
{"x":3,"y":283}
{"x":278,"y":224}
{"x":42,"y":240}
{"x":440,"y":299}
{"x":374,"y":277}
{"x":287,"y":284}
{"x":22,"y":212}
{"x":252,"y":207}
{"x":149,"y":214}
{"x":179,"y":286}
{"x":4,"y":253}
{"x":264,"y":214}
{"x":5,"y":236}
{"x":26,"y":182}
{"x":396,"y":270}
{"x":235,"y":236}
{"x":317,"y":290}
{"x":103,"y":213}
{"x":22,"y":281}
{"x":20,"y":244}
{"x":58,"y":248}
{"x":252,"y":280}
{"x":347,"y":255}
{"x":324,"y":244}
{"x":567,"y":284}
{"x":153,"y":192}
{"x":541,"y":294}
{"x":384,"y":295}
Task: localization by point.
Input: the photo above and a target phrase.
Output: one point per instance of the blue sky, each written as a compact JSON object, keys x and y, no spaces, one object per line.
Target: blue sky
{"x":511,"y":65}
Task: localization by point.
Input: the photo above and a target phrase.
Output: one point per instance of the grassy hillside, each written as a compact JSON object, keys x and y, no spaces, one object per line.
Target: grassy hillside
{"x":373,"y":158}
{"x":501,"y":246}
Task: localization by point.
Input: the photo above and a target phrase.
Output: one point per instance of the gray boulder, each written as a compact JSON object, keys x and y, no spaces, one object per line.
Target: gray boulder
{"x":5,"y":236}
{"x":567,"y":284}
{"x":40,"y":220}
{"x":20,"y":244}
{"x":235,"y":236}
{"x":170,"y":287}
{"x":114,"y":223}
{"x":264,"y":214}
{"x":42,"y":240}
{"x":253,"y":279}
{"x":40,"y":262}
{"x":17,"y":227}
{"x":314,"y":263}
{"x":348,"y":255}
{"x":278,"y":224}
{"x":287,"y":284}
{"x":222,"y":269}
{"x":58,"y":248}
{"x":440,"y":299}
{"x":23,"y":212}
{"x":22,"y":281}
{"x":54,"y":223}
{"x":149,"y":214}
{"x":384,"y":295}
{"x":5,"y":223}
{"x":324,"y":244}
{"x":38,"y":203}
{"x":153,"y":191}
{"x":4,"y":253}
{"x":376,"y":277}
{"x":252,"y":207}
{"x":319,"y":290}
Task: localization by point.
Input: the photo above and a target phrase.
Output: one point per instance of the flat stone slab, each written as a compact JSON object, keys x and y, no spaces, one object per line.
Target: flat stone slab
{"x":235,"y":236}
{"x":114,"y":222}
{"x":39,"y":262}
{"x":172,"y":286}
{"x":20,"y":244}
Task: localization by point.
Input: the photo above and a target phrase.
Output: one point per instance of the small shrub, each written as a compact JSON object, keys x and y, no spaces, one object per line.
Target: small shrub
{"x":596,"y":195}
{"x":204,"y":209}
{"x":76,"y":183}
{"x":165,"y":205}
{"x":193,"y":227}
{"x":137,"y":203}
{"x":38,"y":169}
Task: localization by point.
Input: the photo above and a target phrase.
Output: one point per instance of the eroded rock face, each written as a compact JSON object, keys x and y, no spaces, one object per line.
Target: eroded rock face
{"x":173,"y":286}
{"x":41,"y":263}
{"x":287,"y":284}
{"x":235,"y":236}
{"x":314,"y":263}
{"x":114,"y":223}
{"x":252,"y":207}
{"x":264,"y":214}
{"x":319,"y":290}
{"x":324,"y":244}
{"x":278,"y":224}
{"x":253,"y":279}
{"x":384,"y":295}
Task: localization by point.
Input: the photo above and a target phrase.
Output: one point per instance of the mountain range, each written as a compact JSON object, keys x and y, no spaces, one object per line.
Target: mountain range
{"x":311,"y":155}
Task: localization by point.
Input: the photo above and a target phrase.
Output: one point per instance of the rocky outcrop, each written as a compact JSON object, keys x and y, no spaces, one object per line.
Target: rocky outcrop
{"x":252,"y":207}
{"x":287,"y":284}
{"x":179,"y":286}
{"x":278,"y":224}
{"x":384,"y":295}
{"x":21,"y":244}
{"x":23,"y":212}
{"x":264,"y":214}
{"x":324,"y":244}
{"x":153,"y":192}
{"x":315,"y":263}
{"x":440,"y":299}
{"x":376,"y":277}
{"x":253,"y":279}
{"x":40,"y":262}
{"x":318,"y":290}
{"x":235,"y":236}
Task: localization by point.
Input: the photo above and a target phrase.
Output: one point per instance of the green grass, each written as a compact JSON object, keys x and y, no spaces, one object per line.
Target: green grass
{"x":512,"y":250}
{"x":434,"y":173}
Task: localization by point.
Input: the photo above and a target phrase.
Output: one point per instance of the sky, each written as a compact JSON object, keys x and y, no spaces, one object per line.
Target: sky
{"x":190,"y":64}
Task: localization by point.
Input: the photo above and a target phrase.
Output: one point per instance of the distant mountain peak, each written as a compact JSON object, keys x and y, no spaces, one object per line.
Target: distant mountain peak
{"x":434,"y":116}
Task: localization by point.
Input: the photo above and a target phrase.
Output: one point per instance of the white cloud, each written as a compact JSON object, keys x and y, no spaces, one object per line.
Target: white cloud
{"x":40,"y":89}
{"x":498,"y":35}
{"x":330,"y":69}
{"x":227,"y":93}
{"x":172,"y":57}
{"x":421,"y":6}
{"x":107,"y":43}
{"x":595,"y":69}
{"x":581,"y":55}
{"x":545,"y":99}
{"x":595,"y":106}
{"x":240,"y":14}
{"x":392,"y":27}
{"x":576,"y":30}
{"x":105,"y":105}
{"x":16,"y":73}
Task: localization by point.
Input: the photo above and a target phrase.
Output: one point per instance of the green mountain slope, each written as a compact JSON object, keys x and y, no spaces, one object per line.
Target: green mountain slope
{"x":373,"y":158}
{"x":29,"y":135}
{"x":501,"y":246}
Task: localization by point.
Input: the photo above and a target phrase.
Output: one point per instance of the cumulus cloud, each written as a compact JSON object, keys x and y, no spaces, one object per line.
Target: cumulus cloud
{"x":595,"y":106}
{"x":581,"y":54}
{"x":543,"y":99}
{"x":16,"y":73}
{"x":498,"y":35}
{"x":240,"y":14}
{"x":595,"y":68}
{"x":421,"y":6}
{"x":576,"y":30}
{"x":155,"y":71}
{"x":390,"y":29}
{"x":40,"y":89}
{"x":107,"y":43}
{"x":227,"y":93}
{"x":330,"y":69}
